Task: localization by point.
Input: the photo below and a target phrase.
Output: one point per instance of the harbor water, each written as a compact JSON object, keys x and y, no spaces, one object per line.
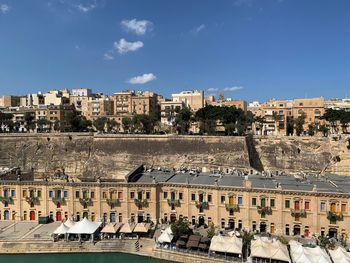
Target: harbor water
{"x":78,"y":258}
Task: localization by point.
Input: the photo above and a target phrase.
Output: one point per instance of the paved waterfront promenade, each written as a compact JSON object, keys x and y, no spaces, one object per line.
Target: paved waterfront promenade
{"x":29,"y":237}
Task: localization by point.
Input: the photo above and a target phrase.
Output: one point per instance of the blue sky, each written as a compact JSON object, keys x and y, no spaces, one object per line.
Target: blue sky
{"x":249,"y":49}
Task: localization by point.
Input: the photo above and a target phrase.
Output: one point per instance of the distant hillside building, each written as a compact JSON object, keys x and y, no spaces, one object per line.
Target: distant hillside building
{"x":192,"y":99}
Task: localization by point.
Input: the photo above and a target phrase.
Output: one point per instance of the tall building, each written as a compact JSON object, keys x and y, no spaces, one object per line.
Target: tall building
{"x":145,"y":103}
{"x":9,"y":101}
{"x":122,"y":102}
{"x":79,"y":98}
{"x":98,"y":107}
{"x":192,"y":99}
{"x":312,"y":108}
{"x":168,"y":111}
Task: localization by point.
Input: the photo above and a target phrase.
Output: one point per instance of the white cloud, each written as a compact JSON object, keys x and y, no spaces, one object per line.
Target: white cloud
{"x":108,"y":56}
{"x":4,"y":8}
{"x":142,"y":79}
{"x":124,"y":46}
{"x":199,"y":29}
{"x":212,"y":89}
{"x":87,"y":7}
{"x":234,"y":88}
{"x":139,"y":27}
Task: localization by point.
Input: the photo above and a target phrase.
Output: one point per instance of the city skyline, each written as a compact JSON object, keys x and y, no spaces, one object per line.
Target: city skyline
{"x":248,"y":49}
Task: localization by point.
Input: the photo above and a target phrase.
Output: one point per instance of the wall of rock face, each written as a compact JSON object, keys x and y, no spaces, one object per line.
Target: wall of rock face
{"x":114,"y":156}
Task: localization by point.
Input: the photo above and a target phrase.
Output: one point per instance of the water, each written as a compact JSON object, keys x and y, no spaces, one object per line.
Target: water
{"x":78,"y":258}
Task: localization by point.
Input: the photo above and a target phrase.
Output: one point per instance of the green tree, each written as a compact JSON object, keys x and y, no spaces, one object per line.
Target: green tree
{"x":247,"y":238}
{"x":332,"y":116}
{"x":42,"y":123}
{"x":112,"y":125}
{"x":323,"y":129}
{"x":211,"y":231}
{"x":299,"y":124}
{"x":183,"y":120}
{"x":311,"y":129}
{"x":100,"y":123}
{"x":126,"y":122}
{"x":180,"y":227}
{"x":29,"y":121}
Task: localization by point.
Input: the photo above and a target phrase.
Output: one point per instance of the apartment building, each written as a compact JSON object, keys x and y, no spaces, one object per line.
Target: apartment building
{"x":98,"y":107}
{"x":169,"y":110}
{"x":145,"y":103}
{"x":283,"y":205}
{"x":192,"y":99}
{"x":123,"y":102}
{"x":9,"y":101}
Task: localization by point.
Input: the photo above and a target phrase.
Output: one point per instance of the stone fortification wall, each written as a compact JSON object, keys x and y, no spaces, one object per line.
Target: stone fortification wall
{"x":114,"y":156}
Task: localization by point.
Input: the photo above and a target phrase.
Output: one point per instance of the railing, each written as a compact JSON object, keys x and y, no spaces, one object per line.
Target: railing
{"x":60,"y":200}
{"x":298,"y":212}
{"x":266,"y":210}
{"x":335,"y":216}
{"x":173,"y":202}
{"x":112,"y":201}
{"x":234,"y":207}
{"x":141,"y":202}
{"x":32,"y":199}
{"x":85,"y":201}
{"x":203,"y":204}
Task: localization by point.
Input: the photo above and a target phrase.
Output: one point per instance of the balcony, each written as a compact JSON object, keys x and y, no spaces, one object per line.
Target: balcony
{"x":59,"y":200}
{"x":234,"y":207}
{"x":141,"y":203}
{"x":85,"y":201}
{"x":333,"y":217}
{"x":8,"y":199}
{"x":113,"y":202}
{"x":32,"y":199}
{"x":266,"y":210}
{"x":298,"y":212}
{"x":202,"y":205}
{"x":173,"y":202}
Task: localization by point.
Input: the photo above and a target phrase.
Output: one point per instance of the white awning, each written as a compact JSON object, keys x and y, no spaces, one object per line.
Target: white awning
{"x":142,"y":228}
{"x":84,"y":226}
{"x":269,"y":249}
{"x":69,"y":223}
{"x":165,"y":237}
{"x":111,"y":228}
{"x":61,"y":230}
{"x":340,"y":255}
{"x":226,"y":244}
{"x":127,"y":228}
{"x":302,"y":254}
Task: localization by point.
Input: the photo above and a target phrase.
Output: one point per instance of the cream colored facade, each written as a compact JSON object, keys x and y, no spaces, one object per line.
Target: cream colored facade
{"x":98,"y":107}
{"x":275,"y":210}
{"x":192,"y":99}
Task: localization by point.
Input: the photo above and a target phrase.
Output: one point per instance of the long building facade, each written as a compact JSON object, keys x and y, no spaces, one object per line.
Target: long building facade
{"x":282,"y":205}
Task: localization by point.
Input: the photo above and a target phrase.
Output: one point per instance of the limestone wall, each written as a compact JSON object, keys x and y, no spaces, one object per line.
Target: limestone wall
{"x":114,"y":156}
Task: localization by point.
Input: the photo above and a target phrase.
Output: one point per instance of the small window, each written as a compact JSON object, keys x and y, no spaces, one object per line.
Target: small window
{"x":77,"y":194}
{"x":39,"y":193}
{"x":307,"y":205}
{"x":92,"y":194}
{"x":132,"y":195}
{"x":148,"y":195}
{"x":222,"y":199}
{"x":50,"y":194}
{"x":210,"y":199}
{"x":25,"y":193}
{"x":343,"y":208}
{"x":180,"y":196}
{"x":65,"y":194}
{"x":104,"y":195}
{"x":120,"y":195}
{"x":323,"y":206}
{"x":240,"y":200}
{"x":13,"y":193}
{"x":272,"y":202}
{"x":165,"y":195}
{"x":254,"y":201}
{"x":193,"y":197}
{"x":287,"y":203}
